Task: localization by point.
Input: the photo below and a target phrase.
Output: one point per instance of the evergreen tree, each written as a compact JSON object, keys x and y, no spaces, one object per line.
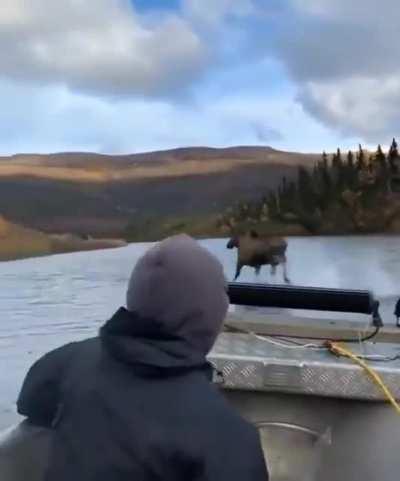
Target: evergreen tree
{"x":393,"y":158}
{"x":351,"y":171}
{"x":350,"y":160}
{"x":316,"y":177}
{"x":318,"y":183}
{"x":325,"y":160}
{"x":380,"y":158}
{"x":339,"y":156}
{"x":325,"y":175}
{"x":333,"y":160}
{"x":361,"y":164}
{"x":371,"y":164}
{"x":338,"y":171}
{"x":305,"y":189}
{"x":337,"y":159}
{"x":381,"y":168}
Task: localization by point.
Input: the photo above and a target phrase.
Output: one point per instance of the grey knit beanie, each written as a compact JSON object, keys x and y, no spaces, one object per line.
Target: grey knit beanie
{"x":182,"y":286}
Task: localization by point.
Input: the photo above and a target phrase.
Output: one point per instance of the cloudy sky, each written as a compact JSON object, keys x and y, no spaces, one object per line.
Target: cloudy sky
{"x":120,"y":76}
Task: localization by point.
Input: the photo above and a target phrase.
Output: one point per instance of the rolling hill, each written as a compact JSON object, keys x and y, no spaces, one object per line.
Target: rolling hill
{"x":139,"y":195}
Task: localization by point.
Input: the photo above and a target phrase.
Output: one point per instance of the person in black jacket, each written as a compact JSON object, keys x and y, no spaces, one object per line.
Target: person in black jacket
{"x":137,"y":403}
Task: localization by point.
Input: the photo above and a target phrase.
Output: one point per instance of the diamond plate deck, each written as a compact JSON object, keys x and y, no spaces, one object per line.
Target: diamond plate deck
{"x":248,"y":363}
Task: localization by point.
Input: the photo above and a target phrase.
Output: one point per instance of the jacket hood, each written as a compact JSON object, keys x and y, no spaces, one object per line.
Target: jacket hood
{"x":179,"y":287}
{"x":148,"y":347}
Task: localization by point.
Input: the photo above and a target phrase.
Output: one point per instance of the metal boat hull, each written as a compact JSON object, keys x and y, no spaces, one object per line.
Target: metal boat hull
{"x":364,"y":436}
{"x":338,"y":440}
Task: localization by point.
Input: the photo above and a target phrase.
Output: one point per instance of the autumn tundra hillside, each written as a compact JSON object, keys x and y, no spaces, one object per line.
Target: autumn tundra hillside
{"x":138,"y":196}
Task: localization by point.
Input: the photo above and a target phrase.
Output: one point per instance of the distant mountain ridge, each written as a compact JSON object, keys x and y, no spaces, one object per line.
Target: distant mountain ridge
{"x":74,"y":159}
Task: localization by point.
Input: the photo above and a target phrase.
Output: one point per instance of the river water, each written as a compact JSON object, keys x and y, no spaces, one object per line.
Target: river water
{"x":46,"y":302}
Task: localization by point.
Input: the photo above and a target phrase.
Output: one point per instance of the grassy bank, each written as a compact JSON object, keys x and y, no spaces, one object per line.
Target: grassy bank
{"x":202,"y":227}
{"x":17,"y":242}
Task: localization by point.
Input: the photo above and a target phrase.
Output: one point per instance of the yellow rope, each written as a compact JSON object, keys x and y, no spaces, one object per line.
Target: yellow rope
{"x":338,"y":349}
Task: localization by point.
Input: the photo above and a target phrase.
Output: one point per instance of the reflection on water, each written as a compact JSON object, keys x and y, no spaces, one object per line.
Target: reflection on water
{"x":45,"y":302}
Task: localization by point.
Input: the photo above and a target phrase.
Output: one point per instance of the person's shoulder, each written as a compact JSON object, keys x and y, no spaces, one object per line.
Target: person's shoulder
{"x":85,"y":343}
{"x":68,"y":350}
{"x":82,"y":347}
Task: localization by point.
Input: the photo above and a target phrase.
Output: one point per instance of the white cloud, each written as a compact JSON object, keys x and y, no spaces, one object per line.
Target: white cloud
{"x":99,"y":46}
{"x":360,"y":105}
{"x":343,"y":57}
{"x":34,"y":119}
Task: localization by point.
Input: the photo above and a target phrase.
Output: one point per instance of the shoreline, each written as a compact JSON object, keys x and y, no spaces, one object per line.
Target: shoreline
{"x":53,"y":245}
{"x":61,"y":245}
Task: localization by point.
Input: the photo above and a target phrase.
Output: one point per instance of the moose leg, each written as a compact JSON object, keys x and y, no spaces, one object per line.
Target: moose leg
{"x":285,"y":273}
{"x":238,"y":269}
{"x":274,"y":263}
{"x":257,"y":270}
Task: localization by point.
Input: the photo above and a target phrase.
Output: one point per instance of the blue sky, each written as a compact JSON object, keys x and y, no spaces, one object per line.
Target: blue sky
{"x":144,"y":5}
{"x":121,"y":76}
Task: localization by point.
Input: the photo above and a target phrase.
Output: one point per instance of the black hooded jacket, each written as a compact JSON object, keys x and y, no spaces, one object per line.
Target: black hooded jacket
{"x":137,"y":404}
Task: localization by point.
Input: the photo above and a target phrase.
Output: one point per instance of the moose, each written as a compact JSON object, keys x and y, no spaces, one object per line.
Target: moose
{"x":256,"y":251}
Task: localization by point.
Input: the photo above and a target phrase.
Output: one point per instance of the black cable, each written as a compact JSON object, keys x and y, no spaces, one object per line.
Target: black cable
{"x":344,"y":340}
{"x":362,"y":339}
{"x":387,"y":359}
{"x":368,"y":336}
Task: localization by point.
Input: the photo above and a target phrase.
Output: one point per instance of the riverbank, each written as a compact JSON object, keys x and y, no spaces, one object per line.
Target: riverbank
{"x":204,"y":227}
{"x":18,"y":242}
{"x":211,"y":227}
{"x":22,"y":243}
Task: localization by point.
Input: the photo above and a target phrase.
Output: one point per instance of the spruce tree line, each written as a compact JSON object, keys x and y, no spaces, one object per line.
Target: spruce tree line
{"x":318,"y":189}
